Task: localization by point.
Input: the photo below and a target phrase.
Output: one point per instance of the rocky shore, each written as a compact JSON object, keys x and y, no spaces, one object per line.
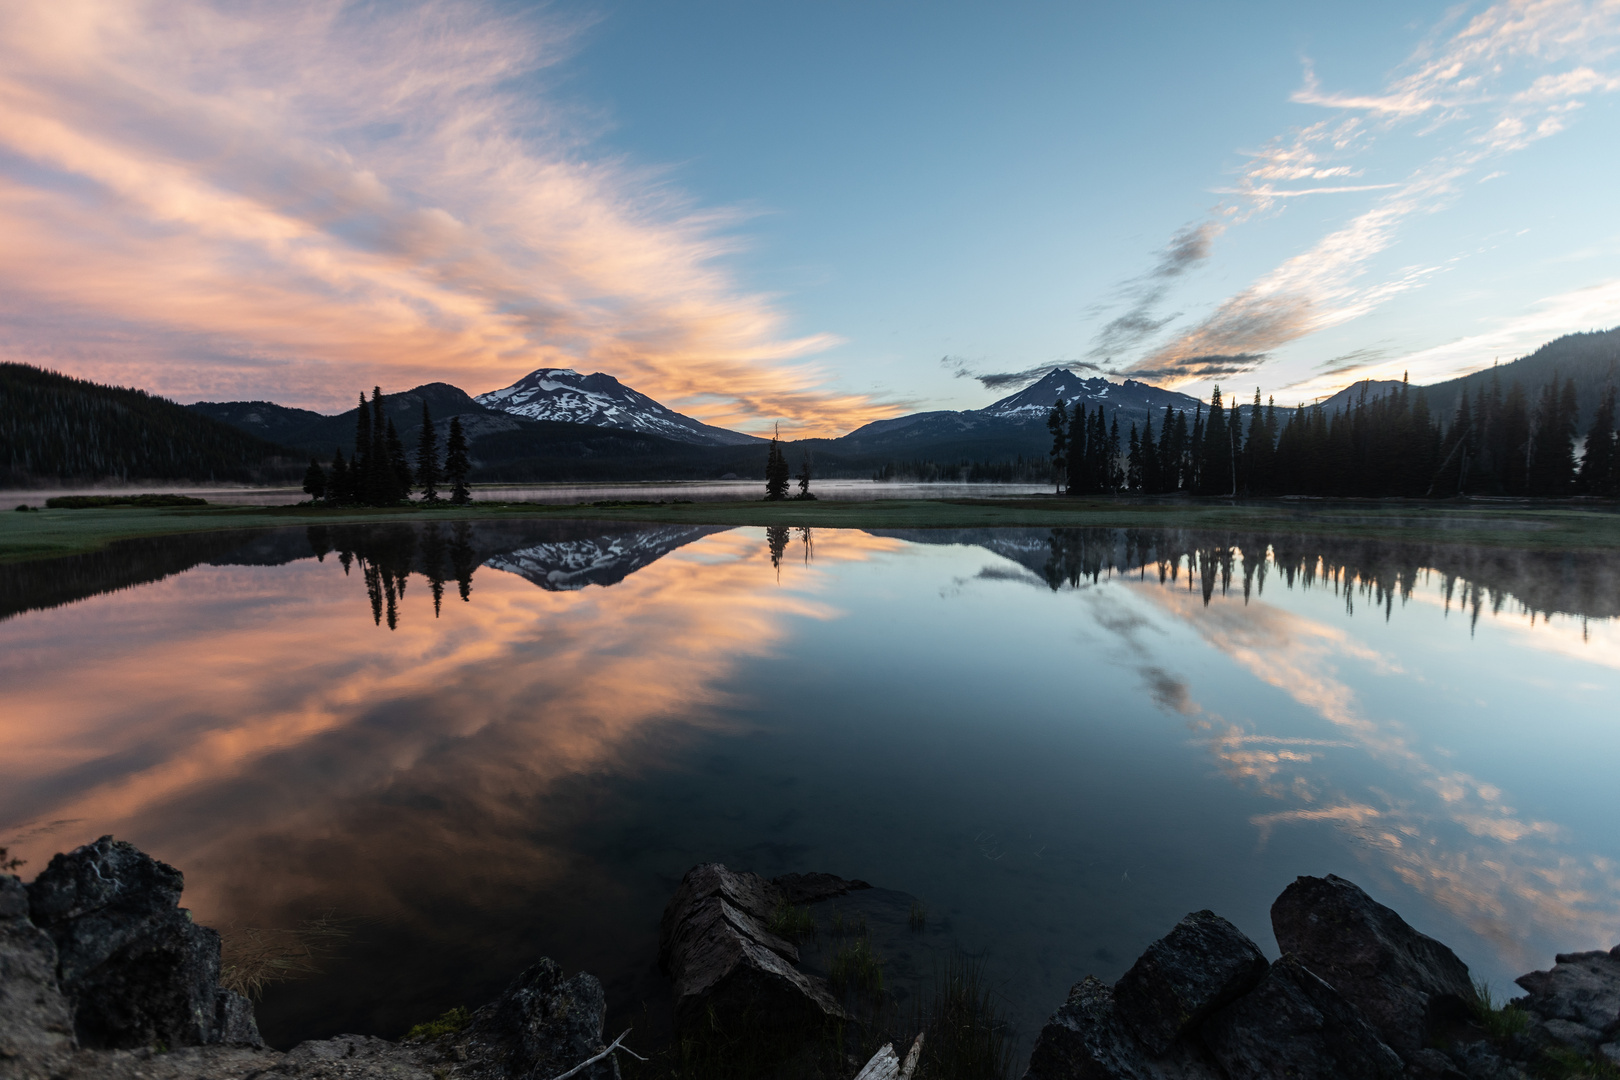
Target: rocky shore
{"x":104,"y":975}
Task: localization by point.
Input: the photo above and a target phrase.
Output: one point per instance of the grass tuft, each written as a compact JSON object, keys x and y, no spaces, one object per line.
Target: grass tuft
{"x":1498,"y":1021}
{"x":856,"y":967}
{"x":450,"y":1023}
{"x":1560,"y":1063}
{"x":967,"y":1033}
{"x":793,"y":922}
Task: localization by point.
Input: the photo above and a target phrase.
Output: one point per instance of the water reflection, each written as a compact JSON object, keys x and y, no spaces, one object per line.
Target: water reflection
{"x":1020,"y":741}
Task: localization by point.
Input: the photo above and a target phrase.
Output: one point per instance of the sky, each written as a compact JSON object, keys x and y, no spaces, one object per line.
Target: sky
{"x":812,"y":214}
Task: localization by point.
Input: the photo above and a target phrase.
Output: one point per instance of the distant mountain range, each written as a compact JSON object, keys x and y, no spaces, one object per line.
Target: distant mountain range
{"x":557,"y":424}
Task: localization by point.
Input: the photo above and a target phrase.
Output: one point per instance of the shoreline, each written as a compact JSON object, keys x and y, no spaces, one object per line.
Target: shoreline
{"x":40,"y":535}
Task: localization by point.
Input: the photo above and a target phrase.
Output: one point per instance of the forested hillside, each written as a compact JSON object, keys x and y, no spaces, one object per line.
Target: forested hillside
{"x":1591,"y":361}
{"x":53,"y":427}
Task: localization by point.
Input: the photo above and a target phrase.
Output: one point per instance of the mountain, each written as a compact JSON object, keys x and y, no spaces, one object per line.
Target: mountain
{"x":53,"y":427}
{"x":1352,"y":394}
{"x":319,"y":434}
{"x":603,"y":401}
{"x":1014,"y":425}
{"x":1592,"y":360}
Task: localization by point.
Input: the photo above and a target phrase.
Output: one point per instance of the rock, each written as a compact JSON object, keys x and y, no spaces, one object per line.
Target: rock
{"x":134,"y":967}
{"x":813,"y":887}
{"x":1580,"y":995}
{"x":1086,"y":1040}
{"x":1480,"y":1061}
{"x":36,"y":1024}
{"x":541,"y":1026}
{"x":354,"y":1057}
{"x":1295,"y":1025}
{"x":1201,"y":965}
{"x":1409,"y":986}
{"x":1431,"y":1064}
{"x":715,"y":946}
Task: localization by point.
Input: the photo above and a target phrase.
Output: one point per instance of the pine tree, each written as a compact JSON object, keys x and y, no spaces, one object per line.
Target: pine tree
{"x":1215,"y":451}
{"x":1133,"y":462}
{"x":315,"y":480}
{"x":360,"y":466}
{"x":1600,"y":468}
{"x":398,"y":478}
{"x":776,"y":471}
{"x":1057,"y":422}
{"x":804,"y":478}
{"x":339,"y":485}
{"x":1150,"y":458}
{"x":1113,"y":475}
{"x":456,"y":465}
{"x":1079,"y":448}
{"x":1194,"y":452}
{"x":427,"y":458}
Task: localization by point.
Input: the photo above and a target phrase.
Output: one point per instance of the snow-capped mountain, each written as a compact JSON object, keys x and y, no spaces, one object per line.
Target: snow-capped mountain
{"x":1015,"y":415}
{"x":566,"y":565}
{"x":1134,"y":399}
{"x":602,"y":401}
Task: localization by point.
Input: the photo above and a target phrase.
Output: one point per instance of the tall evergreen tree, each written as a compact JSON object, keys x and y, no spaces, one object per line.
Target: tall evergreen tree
{"x":456,"y":467}
{"x":1150,"y":457}
{"x":1057,"y":422}
{"x":1113,"y":474}
{"x":398,"y":478}
{"x":1600,"y":462}
{"x":360,"y":464}
{"x":340,"y":486}
{"x":315,"y":480}
{"x":776,"y":471}
{"x":427,"y":458}
{"x":1215,"y":451}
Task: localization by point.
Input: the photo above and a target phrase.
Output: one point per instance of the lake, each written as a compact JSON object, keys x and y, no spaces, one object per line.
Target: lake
{"x":473,"y":745}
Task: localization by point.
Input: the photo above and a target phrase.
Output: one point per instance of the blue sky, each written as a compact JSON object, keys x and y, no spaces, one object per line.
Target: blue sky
{"x":813,"y":213}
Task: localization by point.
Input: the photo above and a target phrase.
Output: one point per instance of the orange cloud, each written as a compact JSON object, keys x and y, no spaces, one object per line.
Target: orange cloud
{"x":292,"y":201}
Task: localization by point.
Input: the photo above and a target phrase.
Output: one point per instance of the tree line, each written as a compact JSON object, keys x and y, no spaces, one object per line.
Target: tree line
{"x":1498,"y":443}
{"x":379,"y":474}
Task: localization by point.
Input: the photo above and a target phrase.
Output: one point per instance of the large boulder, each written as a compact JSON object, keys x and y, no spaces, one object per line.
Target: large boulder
{"x":1409,"y":986}
{"x":1578,"y":1000}
{"x":1201,"y":965}
{"x":36,"y":1024}
{"x":727,"y":967}
{"x":542,"y":1025}
{"x":1294,"y":1026}
{"x":1086,"y":1039}
{"x":134,"y":967}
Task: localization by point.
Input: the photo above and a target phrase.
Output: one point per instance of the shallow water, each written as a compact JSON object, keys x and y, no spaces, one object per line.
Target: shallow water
{"x":1059,"y":741}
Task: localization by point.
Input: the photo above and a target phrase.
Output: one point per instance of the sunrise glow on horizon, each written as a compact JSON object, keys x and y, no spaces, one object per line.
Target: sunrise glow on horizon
{"x":812,"y":216}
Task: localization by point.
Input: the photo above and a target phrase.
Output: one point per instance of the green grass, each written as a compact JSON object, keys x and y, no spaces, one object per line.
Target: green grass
{"x":450,"y":1023}
{"x":51,"y":533}
{"x":856,"y":967}
{"x":1559,"y":1063}
{"x":1497,"y":1021}
{"x":792,"y":921}
{"x":966,"y":1034}
{"x":101,"y":502}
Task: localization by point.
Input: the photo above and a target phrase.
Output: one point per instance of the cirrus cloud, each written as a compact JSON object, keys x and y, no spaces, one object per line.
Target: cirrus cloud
{"x":290,"y":200}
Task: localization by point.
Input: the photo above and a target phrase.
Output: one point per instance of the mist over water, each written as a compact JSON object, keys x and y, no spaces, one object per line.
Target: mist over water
{"x":481,"y":743}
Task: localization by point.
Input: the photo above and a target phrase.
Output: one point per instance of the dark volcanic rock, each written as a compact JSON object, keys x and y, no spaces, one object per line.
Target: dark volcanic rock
{"x":1294,"y":1025}
{"x":715,"y":945}
{"x":1201,"y":965}
{"x":541,"y":1026}
{"x":1408,"y":985}
{"x":135,"y":968}
{"x":813,"y":887}
{"x":1579,"y":998}
{"x":1085,"y":1040}
{"x":36,"y":1025}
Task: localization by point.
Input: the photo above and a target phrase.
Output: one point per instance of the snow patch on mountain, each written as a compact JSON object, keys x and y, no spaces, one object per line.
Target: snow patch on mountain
{"x":602,"y":401}
{"x":568,"y":565}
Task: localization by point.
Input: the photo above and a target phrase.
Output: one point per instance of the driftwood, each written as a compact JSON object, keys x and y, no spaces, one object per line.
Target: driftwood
{"x":885,"y":1064}
{"x":588,"y":1062}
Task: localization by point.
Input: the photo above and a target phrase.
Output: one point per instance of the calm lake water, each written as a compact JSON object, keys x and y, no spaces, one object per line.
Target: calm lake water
{"x":479,"y":745}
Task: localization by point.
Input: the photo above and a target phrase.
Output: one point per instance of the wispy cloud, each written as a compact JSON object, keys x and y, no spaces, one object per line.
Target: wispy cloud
{"x":1187,"y":249}
{"x":1002,"y":380}
{"x":295,"y":199}
{"x":1464,"y":84}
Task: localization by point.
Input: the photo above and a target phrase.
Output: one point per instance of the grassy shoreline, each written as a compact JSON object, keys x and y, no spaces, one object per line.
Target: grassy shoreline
{"x":47,"y":534}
